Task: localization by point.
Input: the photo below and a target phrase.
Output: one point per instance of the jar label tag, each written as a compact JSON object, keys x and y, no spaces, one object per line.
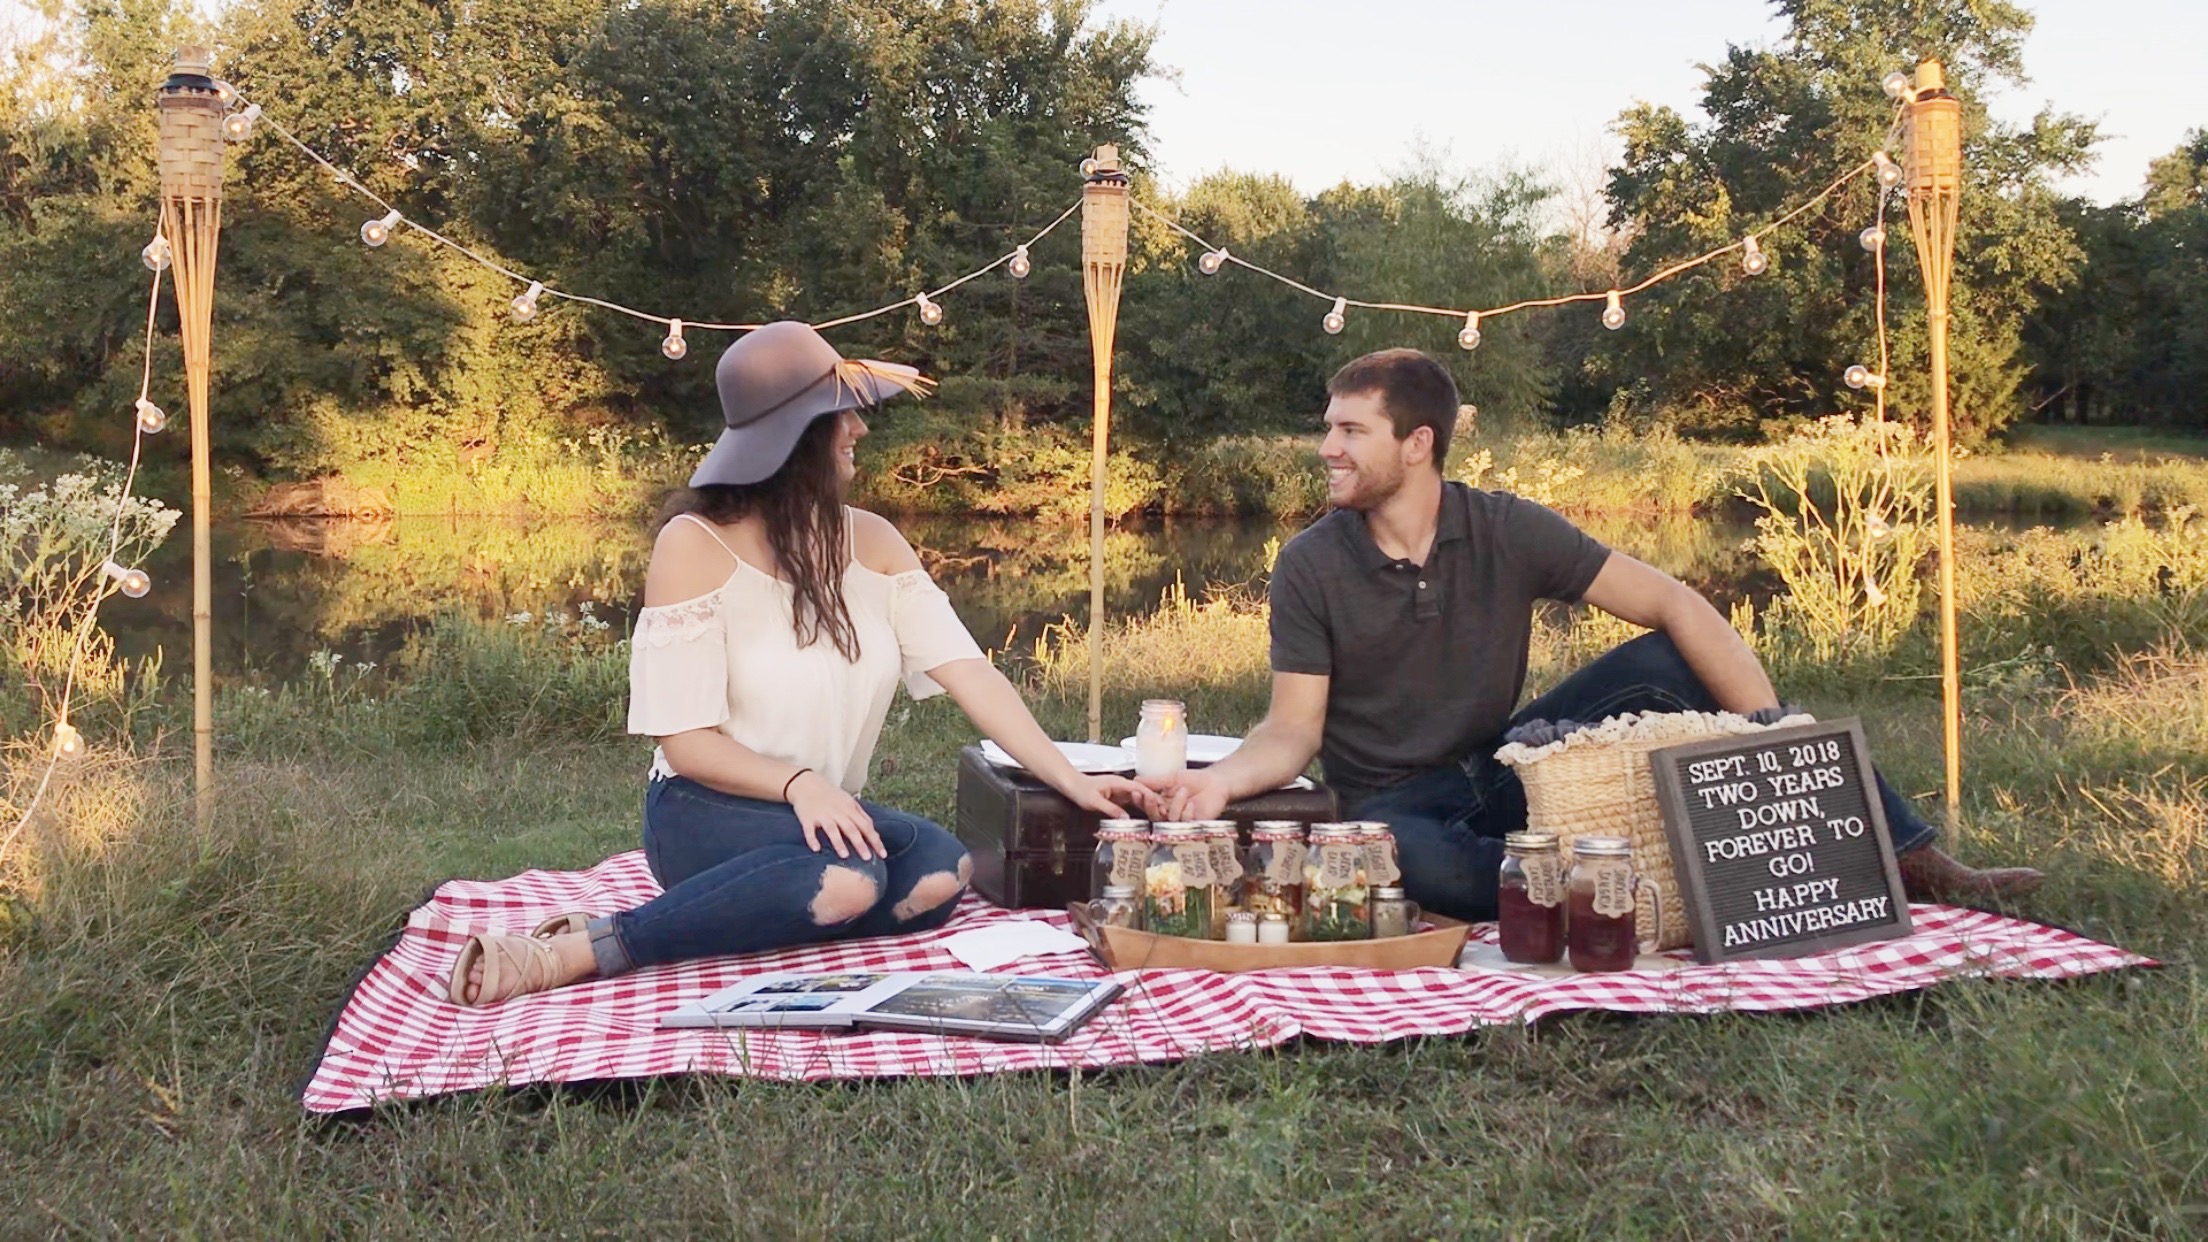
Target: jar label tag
{"x":1338,"y":865}
{"x":1286,"y":866}
{"x":1380,"y":865}
{"x":1195,"y":863}
{"x":1127,"y":860}
{"x":1544,"y":879}
{"x":1226,"y":867}
{"x":1613,"y":888}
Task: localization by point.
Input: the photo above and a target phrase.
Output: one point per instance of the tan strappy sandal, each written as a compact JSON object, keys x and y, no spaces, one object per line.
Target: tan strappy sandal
{"x":512,"y":966}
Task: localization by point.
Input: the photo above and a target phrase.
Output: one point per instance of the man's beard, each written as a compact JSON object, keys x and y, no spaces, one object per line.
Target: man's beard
{"x":1369,"y":491}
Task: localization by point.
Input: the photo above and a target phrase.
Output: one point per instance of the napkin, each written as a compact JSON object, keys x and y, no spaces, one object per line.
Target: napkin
{"x":986,"y":948}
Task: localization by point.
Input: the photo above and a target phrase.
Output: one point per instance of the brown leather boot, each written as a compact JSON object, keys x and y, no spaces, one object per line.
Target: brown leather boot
{"x":1930,"y":875}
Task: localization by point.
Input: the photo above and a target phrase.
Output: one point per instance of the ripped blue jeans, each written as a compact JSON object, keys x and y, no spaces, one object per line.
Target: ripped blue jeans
{"x":739,"y":878}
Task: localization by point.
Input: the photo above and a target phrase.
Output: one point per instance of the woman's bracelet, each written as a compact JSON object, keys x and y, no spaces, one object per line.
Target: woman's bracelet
{"x":792,"y":781}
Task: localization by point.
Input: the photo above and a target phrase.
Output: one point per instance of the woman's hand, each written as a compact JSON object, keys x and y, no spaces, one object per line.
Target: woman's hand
{"x":1112,"y":796}
{"x":825,"y":810}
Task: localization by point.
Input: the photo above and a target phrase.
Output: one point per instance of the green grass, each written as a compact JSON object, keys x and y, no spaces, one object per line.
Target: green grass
{"x":161,"y":994}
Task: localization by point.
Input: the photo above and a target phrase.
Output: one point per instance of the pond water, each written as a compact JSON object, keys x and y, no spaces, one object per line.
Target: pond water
{"x":286,"y":590}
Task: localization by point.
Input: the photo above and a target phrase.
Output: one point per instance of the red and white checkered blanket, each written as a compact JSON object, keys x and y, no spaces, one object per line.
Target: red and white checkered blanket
{"x":399,"y":1038}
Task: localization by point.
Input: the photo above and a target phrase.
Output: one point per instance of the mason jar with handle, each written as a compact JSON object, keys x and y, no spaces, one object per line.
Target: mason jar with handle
{"x":1603,"y":888}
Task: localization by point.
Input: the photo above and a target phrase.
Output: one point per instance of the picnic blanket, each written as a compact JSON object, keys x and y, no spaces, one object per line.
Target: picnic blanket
{"x":399,"y":1038}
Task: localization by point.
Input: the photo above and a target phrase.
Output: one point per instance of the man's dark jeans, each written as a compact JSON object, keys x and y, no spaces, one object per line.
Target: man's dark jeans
{"x":1449,"y":822}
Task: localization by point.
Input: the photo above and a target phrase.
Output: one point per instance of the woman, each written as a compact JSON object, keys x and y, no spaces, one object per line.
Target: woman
{"x":776,"y":624}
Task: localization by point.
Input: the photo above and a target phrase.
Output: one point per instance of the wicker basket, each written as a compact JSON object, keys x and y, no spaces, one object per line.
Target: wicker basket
{"x":1597,"y":782}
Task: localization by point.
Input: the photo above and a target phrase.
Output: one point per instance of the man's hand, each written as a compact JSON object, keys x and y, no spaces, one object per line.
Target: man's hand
{"x":1197,"y":793}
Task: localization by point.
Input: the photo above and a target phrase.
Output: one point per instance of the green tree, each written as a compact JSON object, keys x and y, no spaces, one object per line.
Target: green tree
{"x":1728,"y":352}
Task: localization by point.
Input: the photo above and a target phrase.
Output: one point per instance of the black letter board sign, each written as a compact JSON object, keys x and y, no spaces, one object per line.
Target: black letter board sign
{"x":1779,"y":843}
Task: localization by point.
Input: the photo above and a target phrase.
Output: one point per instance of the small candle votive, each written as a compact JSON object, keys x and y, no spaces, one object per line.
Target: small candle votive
{"x":1242,"y":927}
{"x":1271,"y":929}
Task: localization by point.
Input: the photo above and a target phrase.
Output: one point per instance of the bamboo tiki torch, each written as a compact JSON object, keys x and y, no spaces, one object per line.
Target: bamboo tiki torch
{"x":1103,"y":267}
{"x":191,"y":154}
{"x":1935,"y":180}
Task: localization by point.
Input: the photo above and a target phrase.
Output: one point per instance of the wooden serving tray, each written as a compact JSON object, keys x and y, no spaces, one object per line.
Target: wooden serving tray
{"x":1126,"y":949}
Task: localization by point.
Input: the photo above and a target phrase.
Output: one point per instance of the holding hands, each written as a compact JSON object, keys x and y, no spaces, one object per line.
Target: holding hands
{"x":1195,"y":793}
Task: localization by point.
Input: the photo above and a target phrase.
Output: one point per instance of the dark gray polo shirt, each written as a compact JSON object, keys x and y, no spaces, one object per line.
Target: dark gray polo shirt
{"x":1427,"y":661}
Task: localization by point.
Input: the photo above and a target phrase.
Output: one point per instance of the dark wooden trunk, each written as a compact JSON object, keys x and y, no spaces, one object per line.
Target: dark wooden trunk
{"x":1032,"y":847}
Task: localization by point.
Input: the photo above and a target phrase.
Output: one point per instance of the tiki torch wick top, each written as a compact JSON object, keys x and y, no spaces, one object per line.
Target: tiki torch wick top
{"x":1931,"y":78}
{"x":195,"y":62}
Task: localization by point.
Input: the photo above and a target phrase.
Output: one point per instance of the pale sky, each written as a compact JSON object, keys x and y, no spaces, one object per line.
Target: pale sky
{"x":1323,"y":90}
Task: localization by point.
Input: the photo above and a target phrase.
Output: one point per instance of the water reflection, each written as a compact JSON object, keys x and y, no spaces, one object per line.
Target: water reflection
{"x":284,"y":590}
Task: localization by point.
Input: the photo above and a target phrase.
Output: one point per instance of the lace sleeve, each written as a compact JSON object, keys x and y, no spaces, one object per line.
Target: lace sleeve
{"x":678,"y":667}
{"x":929,"y":633}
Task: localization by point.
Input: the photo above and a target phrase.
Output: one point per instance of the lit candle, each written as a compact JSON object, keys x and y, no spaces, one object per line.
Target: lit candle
{"x":1161,"y":738}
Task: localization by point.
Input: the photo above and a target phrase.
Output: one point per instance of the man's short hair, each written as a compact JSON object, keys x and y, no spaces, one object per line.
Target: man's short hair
{"x":1415,"y":390}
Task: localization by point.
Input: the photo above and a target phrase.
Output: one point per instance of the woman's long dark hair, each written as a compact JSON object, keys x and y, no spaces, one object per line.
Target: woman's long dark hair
{"x":802,"y":506}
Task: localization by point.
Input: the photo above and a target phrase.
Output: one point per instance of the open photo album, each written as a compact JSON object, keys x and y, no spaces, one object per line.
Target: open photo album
{"x":1020,"y":1007}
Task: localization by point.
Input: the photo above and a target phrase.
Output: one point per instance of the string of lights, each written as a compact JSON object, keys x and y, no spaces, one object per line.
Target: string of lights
{"x":147,"y":419}
{"x":675,"y":346}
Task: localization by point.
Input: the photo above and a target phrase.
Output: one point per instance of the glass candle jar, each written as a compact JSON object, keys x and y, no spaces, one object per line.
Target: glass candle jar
{"x":1122,"y":850}
{"x":1176,"y":882}
{"x":1599,"y":928}
{"x":1272,"y":879}
{"x":1241,"y":927}
{"x":1336,"y":903}
{"x":1226,"y":870}
{"x":1161,"y":738}
{"x":1529,"y":899}
{"x":1120,"y":906}
{"x":1393,"y":914}
{"x":1273,"y":928}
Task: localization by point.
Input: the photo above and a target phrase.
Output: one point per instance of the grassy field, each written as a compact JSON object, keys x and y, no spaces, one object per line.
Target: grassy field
{"x":161,"y":994}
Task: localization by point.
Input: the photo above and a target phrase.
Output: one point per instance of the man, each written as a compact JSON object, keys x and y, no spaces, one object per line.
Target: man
{"x":1400,"y":624}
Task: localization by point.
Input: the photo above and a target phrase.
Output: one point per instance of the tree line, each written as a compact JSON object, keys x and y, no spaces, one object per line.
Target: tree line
{"x":748,"y":159}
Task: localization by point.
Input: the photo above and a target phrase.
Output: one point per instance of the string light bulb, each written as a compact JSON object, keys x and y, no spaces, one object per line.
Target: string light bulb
{"x":1613,"y":311}
{"x":931,"y":311}
{"x":1878,"y":527}
{"x":151,"y":417}
{"x":1020,"y":265}
{"x":1088,"y":166}
{"x":1889,"y":173}
{"x":1752,"y":259}
{"x":1335,"y":319}
{"x":68,"y":743}
{"x":133,"y":582}
{"x":674,"y":346}
{"x":1212,"y":261}
{"x":225,"y":92}
{"x":1468,"y":336}
{"x":1897,"y":85}
{"x":377,"y":232}
{"x":156,"y":254}
{"x":1872,"y":238}
{"x":238,"y":126}
{"x":1860,"y":376}
{"x":525,"y":303}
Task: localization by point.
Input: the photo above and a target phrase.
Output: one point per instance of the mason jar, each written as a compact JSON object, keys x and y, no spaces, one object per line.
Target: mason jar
{"x":1381,"y":868}
{"x":1161,"y":738}
{"x":1122,"y":850}
{"x":1272,"y":877}
{"x":1602,"y":891}
{"x":1226,"y":871}
{"x":1393,"y":914}
{"x":1529,"y":899}
{"x":1337,"y":905}
{"x":1176,"y":882}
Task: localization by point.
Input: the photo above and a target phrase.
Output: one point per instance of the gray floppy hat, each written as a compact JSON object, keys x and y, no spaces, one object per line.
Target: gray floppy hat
{"x":774,"y":381}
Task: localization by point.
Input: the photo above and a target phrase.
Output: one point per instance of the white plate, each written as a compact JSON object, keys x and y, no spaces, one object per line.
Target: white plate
{"x":1202,"y":747}
{"x":1084,"y":756}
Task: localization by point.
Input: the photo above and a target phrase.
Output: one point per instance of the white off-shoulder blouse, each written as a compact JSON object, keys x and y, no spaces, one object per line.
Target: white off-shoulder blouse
{"x":730,"y":660}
